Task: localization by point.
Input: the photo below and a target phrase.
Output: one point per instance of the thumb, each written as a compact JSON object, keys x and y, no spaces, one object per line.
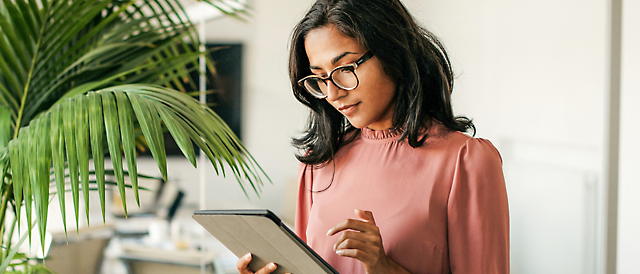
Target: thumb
{"x":365,"y":215}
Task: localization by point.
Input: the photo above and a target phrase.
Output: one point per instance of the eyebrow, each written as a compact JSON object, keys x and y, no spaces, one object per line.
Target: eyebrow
{"x":335,"y":60}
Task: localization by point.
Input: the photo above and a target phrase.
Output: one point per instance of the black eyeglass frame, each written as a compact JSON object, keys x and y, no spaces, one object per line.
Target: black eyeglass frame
{"x":353,"y":66}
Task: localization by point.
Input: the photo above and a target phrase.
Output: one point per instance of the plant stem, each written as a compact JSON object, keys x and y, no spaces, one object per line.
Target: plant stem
{"x":28,"y":82}
{"x":10,"y":235}
{"x":24,"y":95}
{"x":6,"y":196}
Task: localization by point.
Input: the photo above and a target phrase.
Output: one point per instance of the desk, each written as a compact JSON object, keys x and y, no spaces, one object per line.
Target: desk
{"x":148,"y":260}
{"x":142,"y":246}
{"x":83,"y":252}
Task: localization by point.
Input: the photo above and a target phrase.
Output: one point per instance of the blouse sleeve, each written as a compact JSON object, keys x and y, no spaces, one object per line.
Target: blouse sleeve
{"x":478,"y":212}
{"x":304,"y":201}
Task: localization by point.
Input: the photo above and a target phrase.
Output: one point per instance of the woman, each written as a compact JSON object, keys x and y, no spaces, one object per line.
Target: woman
{"x":389,"y":181}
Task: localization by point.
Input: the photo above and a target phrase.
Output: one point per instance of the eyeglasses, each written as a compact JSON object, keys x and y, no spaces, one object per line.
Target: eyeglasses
{"x":343,"y":77}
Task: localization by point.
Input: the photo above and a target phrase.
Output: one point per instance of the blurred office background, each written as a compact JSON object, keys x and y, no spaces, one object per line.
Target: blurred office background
{"x":536,"y":77}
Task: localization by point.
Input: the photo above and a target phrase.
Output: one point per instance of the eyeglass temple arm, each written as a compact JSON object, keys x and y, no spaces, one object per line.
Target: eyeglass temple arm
{"x":364,"y":58}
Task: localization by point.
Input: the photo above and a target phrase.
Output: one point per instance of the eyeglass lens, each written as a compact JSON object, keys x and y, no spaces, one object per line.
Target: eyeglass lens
{"x":344,"y":78}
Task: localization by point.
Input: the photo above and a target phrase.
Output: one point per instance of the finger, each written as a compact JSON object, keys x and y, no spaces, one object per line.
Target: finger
{"x":352,"y":224}
{"x":357,"y":244}
{"x":243,"y":264}
{"x":358,"y":250}
{"x":367,"y":238}
{"x":368,"y":254}
{"x":270,"y":267}
{"x":365,"y":215}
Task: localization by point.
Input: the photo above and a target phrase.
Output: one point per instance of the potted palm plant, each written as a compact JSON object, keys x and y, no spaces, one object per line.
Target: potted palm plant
{"x":80,"y":80}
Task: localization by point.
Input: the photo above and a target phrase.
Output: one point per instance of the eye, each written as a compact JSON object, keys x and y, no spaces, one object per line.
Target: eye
{"x":345,"y":69}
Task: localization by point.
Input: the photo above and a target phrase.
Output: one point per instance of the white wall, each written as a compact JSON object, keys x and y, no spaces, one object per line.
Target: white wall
{"x":629,"y":186}
{"x":526,"y":69}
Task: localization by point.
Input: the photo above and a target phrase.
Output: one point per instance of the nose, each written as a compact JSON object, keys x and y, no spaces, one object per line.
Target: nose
{"x":334,"y":92}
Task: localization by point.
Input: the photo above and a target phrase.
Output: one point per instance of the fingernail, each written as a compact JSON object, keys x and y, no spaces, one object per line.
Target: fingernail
{"x":339,"y":252}
{"x":247,"y":256}
{"x":272,"y":266}
{"x":329,"y":232}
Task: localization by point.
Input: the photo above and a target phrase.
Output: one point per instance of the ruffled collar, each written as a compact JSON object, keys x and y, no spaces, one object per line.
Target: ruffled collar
{"x":435,"y":129}
{"x":371,"y":134}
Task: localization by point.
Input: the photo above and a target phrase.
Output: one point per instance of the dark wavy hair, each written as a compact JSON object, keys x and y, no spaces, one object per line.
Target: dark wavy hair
{"x":411,"y":55}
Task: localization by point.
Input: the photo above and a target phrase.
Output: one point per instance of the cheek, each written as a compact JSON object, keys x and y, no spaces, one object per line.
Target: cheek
{"x":331,"y":103}
{"x":386,"y":90}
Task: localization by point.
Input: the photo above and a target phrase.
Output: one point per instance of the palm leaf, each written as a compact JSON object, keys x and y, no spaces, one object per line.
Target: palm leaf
{"x":53,"y":54}
{"x":5,"y":126}
{"x":59,"y":66}
{"x":125,"y":117}
{"x":58,"y":159}
{"x":188,"y":121}
{"x":96,"y":135}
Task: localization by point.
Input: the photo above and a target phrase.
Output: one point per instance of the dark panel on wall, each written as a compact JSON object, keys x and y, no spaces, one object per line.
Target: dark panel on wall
{"x":226,"y":86}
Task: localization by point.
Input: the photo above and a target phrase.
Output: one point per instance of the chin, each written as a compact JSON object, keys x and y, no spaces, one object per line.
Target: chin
{"x":357,"y":124}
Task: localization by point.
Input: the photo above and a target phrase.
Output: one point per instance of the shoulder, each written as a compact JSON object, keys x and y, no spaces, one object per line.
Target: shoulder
{"x":480,"y":151}
{"x":478,"y":167}
{"x":465,"y":146}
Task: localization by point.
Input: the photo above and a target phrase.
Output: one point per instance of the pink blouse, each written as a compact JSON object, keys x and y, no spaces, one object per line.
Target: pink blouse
{"x":441,"y":207}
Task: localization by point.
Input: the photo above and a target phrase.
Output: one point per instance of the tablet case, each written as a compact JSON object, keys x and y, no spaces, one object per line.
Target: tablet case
{"x":261,"y":233}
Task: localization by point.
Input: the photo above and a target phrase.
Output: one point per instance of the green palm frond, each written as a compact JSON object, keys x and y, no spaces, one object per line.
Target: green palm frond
{"x":71,"y":47}
{"x":187,"y":120}
{"x":134,"y":55}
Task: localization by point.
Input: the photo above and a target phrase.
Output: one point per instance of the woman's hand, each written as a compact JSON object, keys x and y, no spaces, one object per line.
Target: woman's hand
{"x":360,"y":239}
{"x":243,"y":266}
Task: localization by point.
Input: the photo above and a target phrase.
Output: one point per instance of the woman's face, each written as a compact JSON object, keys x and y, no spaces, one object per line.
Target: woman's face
{"x":371,"y":103}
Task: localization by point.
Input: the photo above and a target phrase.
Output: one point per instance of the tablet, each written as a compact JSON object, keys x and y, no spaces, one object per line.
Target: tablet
{"x":261,"y":233}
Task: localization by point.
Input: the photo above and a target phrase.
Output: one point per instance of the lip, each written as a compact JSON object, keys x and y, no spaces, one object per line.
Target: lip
{"x":348,"y":109}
